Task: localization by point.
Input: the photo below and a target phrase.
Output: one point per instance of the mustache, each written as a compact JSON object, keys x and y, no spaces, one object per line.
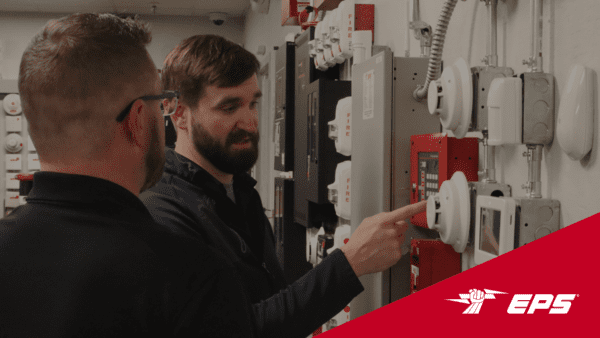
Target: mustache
{"x":241,"y":135}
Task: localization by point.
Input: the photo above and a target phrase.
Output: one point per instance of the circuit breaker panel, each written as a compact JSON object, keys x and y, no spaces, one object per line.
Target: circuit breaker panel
{"x":290,"y":238}
{"x":316,"y":156}
{"x":284,"y":107}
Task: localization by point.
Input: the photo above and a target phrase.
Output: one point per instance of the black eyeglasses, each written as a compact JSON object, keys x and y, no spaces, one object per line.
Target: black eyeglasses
{"x":167,"y":94}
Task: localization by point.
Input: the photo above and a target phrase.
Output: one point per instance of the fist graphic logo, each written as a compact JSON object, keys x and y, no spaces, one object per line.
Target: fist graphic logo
{"x":475,"y":299}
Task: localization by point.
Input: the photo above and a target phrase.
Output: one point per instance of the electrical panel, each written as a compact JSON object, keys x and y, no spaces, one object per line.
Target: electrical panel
{"x":290,"y":238}
{"x":434,"y":158}
{"x":432,"y":261}
{"x":284,"y":107}
{"x":316,"y":156}
{"x":384,"y":116}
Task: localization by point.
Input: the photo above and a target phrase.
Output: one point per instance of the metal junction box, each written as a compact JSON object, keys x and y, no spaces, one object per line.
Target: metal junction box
{"x":538,"y":108}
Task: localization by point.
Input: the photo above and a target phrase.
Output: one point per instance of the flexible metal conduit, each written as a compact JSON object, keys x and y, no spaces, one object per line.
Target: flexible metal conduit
{"x":437,"y":48}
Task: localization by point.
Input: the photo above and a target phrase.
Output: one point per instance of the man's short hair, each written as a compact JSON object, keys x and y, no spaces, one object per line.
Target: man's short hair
{"x":206,"y":60}
{"x":76,"y":60}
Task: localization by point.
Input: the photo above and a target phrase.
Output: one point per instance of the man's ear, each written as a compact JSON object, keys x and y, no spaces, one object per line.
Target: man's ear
{"x":180,"y":117}
{"x":136,"y":124}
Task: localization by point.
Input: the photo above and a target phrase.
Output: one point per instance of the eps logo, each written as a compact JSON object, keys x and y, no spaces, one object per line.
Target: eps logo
{"x":520,"y":303}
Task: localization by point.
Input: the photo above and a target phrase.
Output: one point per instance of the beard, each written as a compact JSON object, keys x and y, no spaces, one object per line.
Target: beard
{"x":223,"y":157}
{"x":155,"y":159}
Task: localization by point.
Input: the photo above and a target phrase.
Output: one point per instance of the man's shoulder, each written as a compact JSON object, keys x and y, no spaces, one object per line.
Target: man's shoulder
{"x":174,"y":192}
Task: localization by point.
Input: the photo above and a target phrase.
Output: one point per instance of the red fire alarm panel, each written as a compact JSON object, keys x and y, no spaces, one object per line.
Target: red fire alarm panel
{"x":434,"y":158}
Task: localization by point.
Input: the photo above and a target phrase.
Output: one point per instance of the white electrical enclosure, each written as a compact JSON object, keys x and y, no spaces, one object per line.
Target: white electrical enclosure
{"x":451,"y":98}
{"x":575,"y":126}
{"x":494,"y":227}
{"x":505,"y":111}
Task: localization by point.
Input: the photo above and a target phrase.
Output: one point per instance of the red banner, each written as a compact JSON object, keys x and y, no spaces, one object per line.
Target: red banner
{"x":547,"y":288}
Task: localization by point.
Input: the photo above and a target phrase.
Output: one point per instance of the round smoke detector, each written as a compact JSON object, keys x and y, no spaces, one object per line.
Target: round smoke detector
{"x":451,"y":98}
{"x":449,"y":212}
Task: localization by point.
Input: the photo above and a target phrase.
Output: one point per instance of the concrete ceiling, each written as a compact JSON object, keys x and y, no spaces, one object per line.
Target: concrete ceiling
{"x":163,"y":7}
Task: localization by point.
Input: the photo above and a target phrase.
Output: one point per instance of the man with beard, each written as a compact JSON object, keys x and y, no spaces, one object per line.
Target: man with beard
{"x":206,"y":193}
{"x":83,"y":257}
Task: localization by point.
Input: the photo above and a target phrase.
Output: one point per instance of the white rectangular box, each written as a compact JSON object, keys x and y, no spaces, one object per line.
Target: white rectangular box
{"x":13,"y":162}
{"x":30,"y":145}
{"x":12,"y":199}
{"x":14,"y":123}
{"x":11,"y":181}
{"x":33,"y":162}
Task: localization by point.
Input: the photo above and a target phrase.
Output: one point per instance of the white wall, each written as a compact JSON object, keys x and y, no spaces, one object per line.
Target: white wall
{"x":17,"y":29}
{"x":570,"y":29}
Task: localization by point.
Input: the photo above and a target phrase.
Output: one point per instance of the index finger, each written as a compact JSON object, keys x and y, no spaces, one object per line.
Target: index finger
{"x":406,"y":211}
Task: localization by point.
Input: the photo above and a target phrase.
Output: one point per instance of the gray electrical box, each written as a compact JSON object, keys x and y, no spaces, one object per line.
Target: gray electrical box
{"x":384,"y":117}
{"x":538,"y":108}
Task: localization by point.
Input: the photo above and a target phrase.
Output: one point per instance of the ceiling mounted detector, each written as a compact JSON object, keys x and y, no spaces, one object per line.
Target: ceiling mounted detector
{"x":451,"y":98}
{"x":449,"y":212}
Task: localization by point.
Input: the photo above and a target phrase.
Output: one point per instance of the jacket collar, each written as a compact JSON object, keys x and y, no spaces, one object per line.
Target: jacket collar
{"x":95,"y":193}
{"x":181,"y":166}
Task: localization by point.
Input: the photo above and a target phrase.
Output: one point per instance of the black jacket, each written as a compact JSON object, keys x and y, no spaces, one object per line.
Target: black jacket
{"x":191,"y":202}
{"x":83,"y":258}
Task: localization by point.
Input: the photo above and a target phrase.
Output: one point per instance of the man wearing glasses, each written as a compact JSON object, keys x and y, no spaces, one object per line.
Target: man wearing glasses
{"x":83,"y":257}
{"x":207,"y":195}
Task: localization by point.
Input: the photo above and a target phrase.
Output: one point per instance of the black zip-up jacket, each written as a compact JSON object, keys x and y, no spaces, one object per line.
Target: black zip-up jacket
{"x":84,"y":258}
{"x":190,"y":201}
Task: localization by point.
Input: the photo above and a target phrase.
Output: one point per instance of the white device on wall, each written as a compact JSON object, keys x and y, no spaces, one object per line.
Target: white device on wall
{"x":451,"y":98}
{"x":326,"y":31}
{"x":362,"y":46}
{"x":494,"y":227}
{"x":12,"y":104}
{"x":339,"y":191}
{"x":312,"y":236}
{"x":347,"y":9}
{"x":341,"y":127}
{"x":14,"y":143}
{"x":575,"y":126}
{"x":505,"y":111}
{"x":449,"y":212}
{"x":320,"y":62}
{"x":335,"y":24}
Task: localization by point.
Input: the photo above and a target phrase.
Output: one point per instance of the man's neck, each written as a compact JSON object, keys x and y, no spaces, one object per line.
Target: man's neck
{"x":104,"y":170}
{"x":205,"y":164}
